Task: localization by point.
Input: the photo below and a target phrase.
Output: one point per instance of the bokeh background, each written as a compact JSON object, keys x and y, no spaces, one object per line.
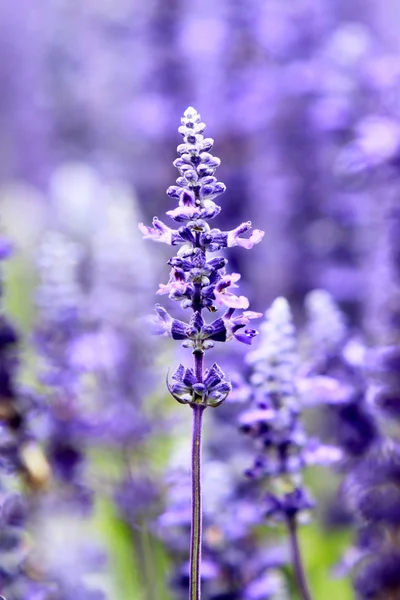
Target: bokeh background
{"x":303,"y":101}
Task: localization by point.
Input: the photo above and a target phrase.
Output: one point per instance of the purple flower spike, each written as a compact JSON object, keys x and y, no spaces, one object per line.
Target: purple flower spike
{"x":283,"y":447}
{"x":199,"y":283}
{"x":195,"y":281}
{"x":274,"y":420}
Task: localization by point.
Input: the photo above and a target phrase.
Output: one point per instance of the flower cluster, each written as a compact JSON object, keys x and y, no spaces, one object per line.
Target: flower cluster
{"x":124,"y":366}
{"x":195,"y":280}
{"x":274,"y":420}
{"x":64,"y":423}
{"x":338,"y":377}
{"x":58,"y":331}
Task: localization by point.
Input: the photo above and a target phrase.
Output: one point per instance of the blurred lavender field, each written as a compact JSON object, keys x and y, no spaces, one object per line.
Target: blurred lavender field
{"x":303,"y":101}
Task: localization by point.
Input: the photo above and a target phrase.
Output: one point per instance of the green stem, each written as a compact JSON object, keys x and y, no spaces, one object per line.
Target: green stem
{"x":297,"y":562}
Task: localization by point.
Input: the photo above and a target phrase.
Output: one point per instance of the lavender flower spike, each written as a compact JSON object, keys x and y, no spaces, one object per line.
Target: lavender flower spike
{"x":284,"y":449}
{"x":199,"y":282}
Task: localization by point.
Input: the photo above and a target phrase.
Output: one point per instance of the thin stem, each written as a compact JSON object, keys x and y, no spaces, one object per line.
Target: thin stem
{"x":147,"y":553}
{"x":198,"y":366}
{"x":297,"y":562}
{"x":196,"y":530}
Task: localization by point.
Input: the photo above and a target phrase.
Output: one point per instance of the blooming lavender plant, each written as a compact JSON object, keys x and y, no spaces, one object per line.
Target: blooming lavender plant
{"x":123,"y":364}
{"x":66,"y":424}
{"x":357,"y":418}
{"x":59,"y":327}
{"x":21,"y":457}
{"x":284,"y":449}
{"x":199,"y":282}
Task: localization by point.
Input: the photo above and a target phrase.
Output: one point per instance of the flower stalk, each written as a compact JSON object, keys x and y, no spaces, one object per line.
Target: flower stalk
{"x":197,"y":513}
{"x":284,"y":448}
{"x":197,"y":510}
{"x":199,"y":282}
{"x":297,"y":562}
